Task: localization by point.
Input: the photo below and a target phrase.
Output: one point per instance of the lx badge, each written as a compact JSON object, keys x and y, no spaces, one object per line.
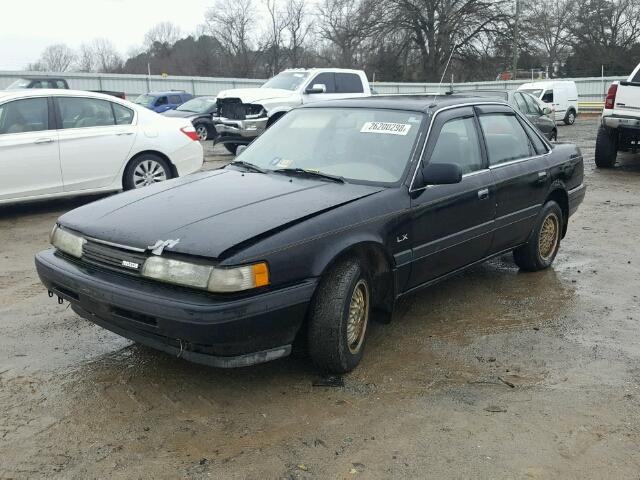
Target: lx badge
{"x":402,"y":238}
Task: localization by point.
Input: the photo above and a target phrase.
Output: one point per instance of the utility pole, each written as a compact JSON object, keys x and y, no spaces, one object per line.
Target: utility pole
{"x":514,"y":63}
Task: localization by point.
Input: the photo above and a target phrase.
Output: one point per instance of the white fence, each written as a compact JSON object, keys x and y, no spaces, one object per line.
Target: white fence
{"x":591,"y":89}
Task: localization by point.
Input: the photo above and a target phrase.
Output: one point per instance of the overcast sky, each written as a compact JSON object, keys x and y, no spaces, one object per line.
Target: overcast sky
{"x":28,"y":26}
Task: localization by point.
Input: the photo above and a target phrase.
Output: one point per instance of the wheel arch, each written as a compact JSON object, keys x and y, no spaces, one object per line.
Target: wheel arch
{"x":558,"y":193}
{"x":275,"y":116}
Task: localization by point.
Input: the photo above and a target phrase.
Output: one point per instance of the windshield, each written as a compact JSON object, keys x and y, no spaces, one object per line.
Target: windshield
{"x":286,"y":80}
{"x":361,"y":145}
{"x":198,"y":105}
{"x":145,"y":100}
{"x":536,"y":92}
{"x":20,"y":83}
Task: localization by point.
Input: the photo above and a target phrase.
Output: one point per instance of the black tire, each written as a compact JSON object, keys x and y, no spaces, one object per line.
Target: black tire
{"x":131,"y":178}
{"x":538,"y":253}
{"x":203,"y":131}
{"x":606,"y":147}
{"x":570,"y":117}
{"x":554,"y":135}
{"x":328,"y":333}
{"x":232,"y":148}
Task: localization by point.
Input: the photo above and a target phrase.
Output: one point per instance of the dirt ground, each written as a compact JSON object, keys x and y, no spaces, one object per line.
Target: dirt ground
{"x":492,"y":374}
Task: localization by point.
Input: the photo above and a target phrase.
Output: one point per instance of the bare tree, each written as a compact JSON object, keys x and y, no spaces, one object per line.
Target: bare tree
{"x":107,"y":58}
{"x":232,"y":23}
{"x":86,"y":61}
{"x":347,"y":24}
{"x":297,"y":28}
{"x":547,"y":24}
{"x":164,"y":33}
{"x":437,"y":26}
{"x":57,"y":58}
{"x":273,"y":43}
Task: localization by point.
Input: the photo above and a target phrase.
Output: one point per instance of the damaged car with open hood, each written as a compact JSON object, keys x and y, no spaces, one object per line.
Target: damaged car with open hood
{"x":317,"y":228}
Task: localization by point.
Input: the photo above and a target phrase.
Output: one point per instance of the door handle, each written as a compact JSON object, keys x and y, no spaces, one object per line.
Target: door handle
{"x":542,"y":177}
{"x":43,"y":140}
{"x":483,"y":194}
{"x":124,"y":133}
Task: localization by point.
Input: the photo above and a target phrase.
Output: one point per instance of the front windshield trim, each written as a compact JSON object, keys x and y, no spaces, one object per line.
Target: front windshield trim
{"x":410,"y":161}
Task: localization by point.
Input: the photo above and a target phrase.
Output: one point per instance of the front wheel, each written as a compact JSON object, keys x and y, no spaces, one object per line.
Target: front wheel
{"x":570,"y":118}
{"x":542,"y":247}
{"x":339,"y":316}
{"x":146,"y":170}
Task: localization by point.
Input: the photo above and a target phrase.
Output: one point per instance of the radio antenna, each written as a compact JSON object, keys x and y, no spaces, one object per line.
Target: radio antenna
{"x":445,"y":70}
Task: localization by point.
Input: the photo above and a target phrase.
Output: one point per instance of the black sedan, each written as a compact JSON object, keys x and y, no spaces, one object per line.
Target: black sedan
{"x":526,"y":104}
{"x":199,"y":110}
{"x":324,"y":222}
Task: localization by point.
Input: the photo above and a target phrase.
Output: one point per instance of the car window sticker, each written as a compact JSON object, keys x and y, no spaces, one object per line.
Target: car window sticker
{"x":387,"y":128}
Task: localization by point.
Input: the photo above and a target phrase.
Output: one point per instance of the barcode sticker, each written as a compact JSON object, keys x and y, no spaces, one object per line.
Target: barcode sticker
{"x":385,"y":127}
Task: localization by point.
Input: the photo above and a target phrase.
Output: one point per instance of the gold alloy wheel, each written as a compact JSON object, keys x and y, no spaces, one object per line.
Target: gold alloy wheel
{"x":358,"y":316}
{"x":549,"y":235}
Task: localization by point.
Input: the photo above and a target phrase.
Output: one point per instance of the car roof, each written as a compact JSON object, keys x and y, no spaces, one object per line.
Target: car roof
{"x":416,"y":103}
{"x":168,"y":92}
{"x":320,"y":70}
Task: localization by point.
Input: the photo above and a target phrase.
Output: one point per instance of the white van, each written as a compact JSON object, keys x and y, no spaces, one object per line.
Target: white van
{"x":560,"y":95}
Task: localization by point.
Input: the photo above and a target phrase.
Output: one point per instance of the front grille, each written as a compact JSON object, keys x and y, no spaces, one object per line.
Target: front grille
{"x":113,"y":258}
{"x":234,"y":109}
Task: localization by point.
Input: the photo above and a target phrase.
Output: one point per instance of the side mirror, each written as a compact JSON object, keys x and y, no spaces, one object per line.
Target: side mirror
{"x":317,"y":88}
{"x":240,"y":149}
{"x":441,"y":173}
{"x":546,"y":110}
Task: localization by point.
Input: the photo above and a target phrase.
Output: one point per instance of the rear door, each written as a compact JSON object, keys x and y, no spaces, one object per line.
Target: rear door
{"x":452,"y":224}
{"x":29,"y":158}
{"x":95,"y":137}
{"x":518,"y":165}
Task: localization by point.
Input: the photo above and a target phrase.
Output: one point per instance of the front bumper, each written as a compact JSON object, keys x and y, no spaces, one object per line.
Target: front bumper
{"x":196,"y":326}
{"x":241,"y":129}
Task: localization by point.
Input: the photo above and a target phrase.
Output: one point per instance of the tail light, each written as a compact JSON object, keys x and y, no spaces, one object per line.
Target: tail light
{"x":610,"y":101}
{"x":190,"y":132}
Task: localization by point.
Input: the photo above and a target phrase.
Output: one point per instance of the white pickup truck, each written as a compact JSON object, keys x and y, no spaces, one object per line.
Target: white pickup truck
{"x":244,"y":113}
{"x":620,"y":127}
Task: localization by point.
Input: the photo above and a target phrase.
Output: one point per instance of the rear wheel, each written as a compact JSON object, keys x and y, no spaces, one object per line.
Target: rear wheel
{"x":339,"y":317}
{"x":145,"y":170}
{"x":606,"y":147}
{"x":543,"y":244}
{"x":570,"y":117}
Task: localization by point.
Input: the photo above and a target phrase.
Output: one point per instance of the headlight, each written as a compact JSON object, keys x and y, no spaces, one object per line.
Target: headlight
{"x":206,"y":277}
{"x":67,"y":242}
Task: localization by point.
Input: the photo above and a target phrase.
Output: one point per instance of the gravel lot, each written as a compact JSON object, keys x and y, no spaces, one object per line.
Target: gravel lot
{"x":492,"y":374}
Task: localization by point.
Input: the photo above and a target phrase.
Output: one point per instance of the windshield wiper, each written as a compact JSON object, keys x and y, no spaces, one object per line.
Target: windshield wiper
{"x":310,"y":173}
{"x":248,"y":166}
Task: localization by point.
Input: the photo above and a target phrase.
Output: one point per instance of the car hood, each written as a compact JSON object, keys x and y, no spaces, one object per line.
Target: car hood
{"x":251,"y":95}
{"x":180,"y":114}
{"x":210,"y":212}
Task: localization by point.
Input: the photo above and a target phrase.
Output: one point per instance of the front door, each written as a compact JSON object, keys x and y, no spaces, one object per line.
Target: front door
{"x":452,"y":224}
{"x":96,"y":137}
{"x":29,"y":158}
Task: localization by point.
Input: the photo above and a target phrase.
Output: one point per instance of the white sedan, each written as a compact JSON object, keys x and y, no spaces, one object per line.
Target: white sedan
{"x":57,"y":143}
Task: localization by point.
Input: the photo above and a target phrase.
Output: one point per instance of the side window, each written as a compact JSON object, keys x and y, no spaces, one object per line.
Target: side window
{"x":175,"y":99}
{"x":161,"y":101}
{"x":124,"y":116}
{"x":348,"y":83}
{"x":505,"y":138}
{"x":77,"y":112}
{"x":636,"y":77}
{"x":28,"y":115}
{"x":327,"y":79}
{"x":538,"y":145}
{"x":520,"y":103}
{"x":458,"y":143}
{"x":36,"y":84}
{"x":548,"y":96}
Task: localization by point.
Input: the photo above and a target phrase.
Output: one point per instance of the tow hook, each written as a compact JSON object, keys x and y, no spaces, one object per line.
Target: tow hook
{"x":60,"y":299}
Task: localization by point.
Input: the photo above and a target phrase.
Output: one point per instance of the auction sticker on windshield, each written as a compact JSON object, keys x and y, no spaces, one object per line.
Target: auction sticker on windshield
{"x":385,"y":127}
